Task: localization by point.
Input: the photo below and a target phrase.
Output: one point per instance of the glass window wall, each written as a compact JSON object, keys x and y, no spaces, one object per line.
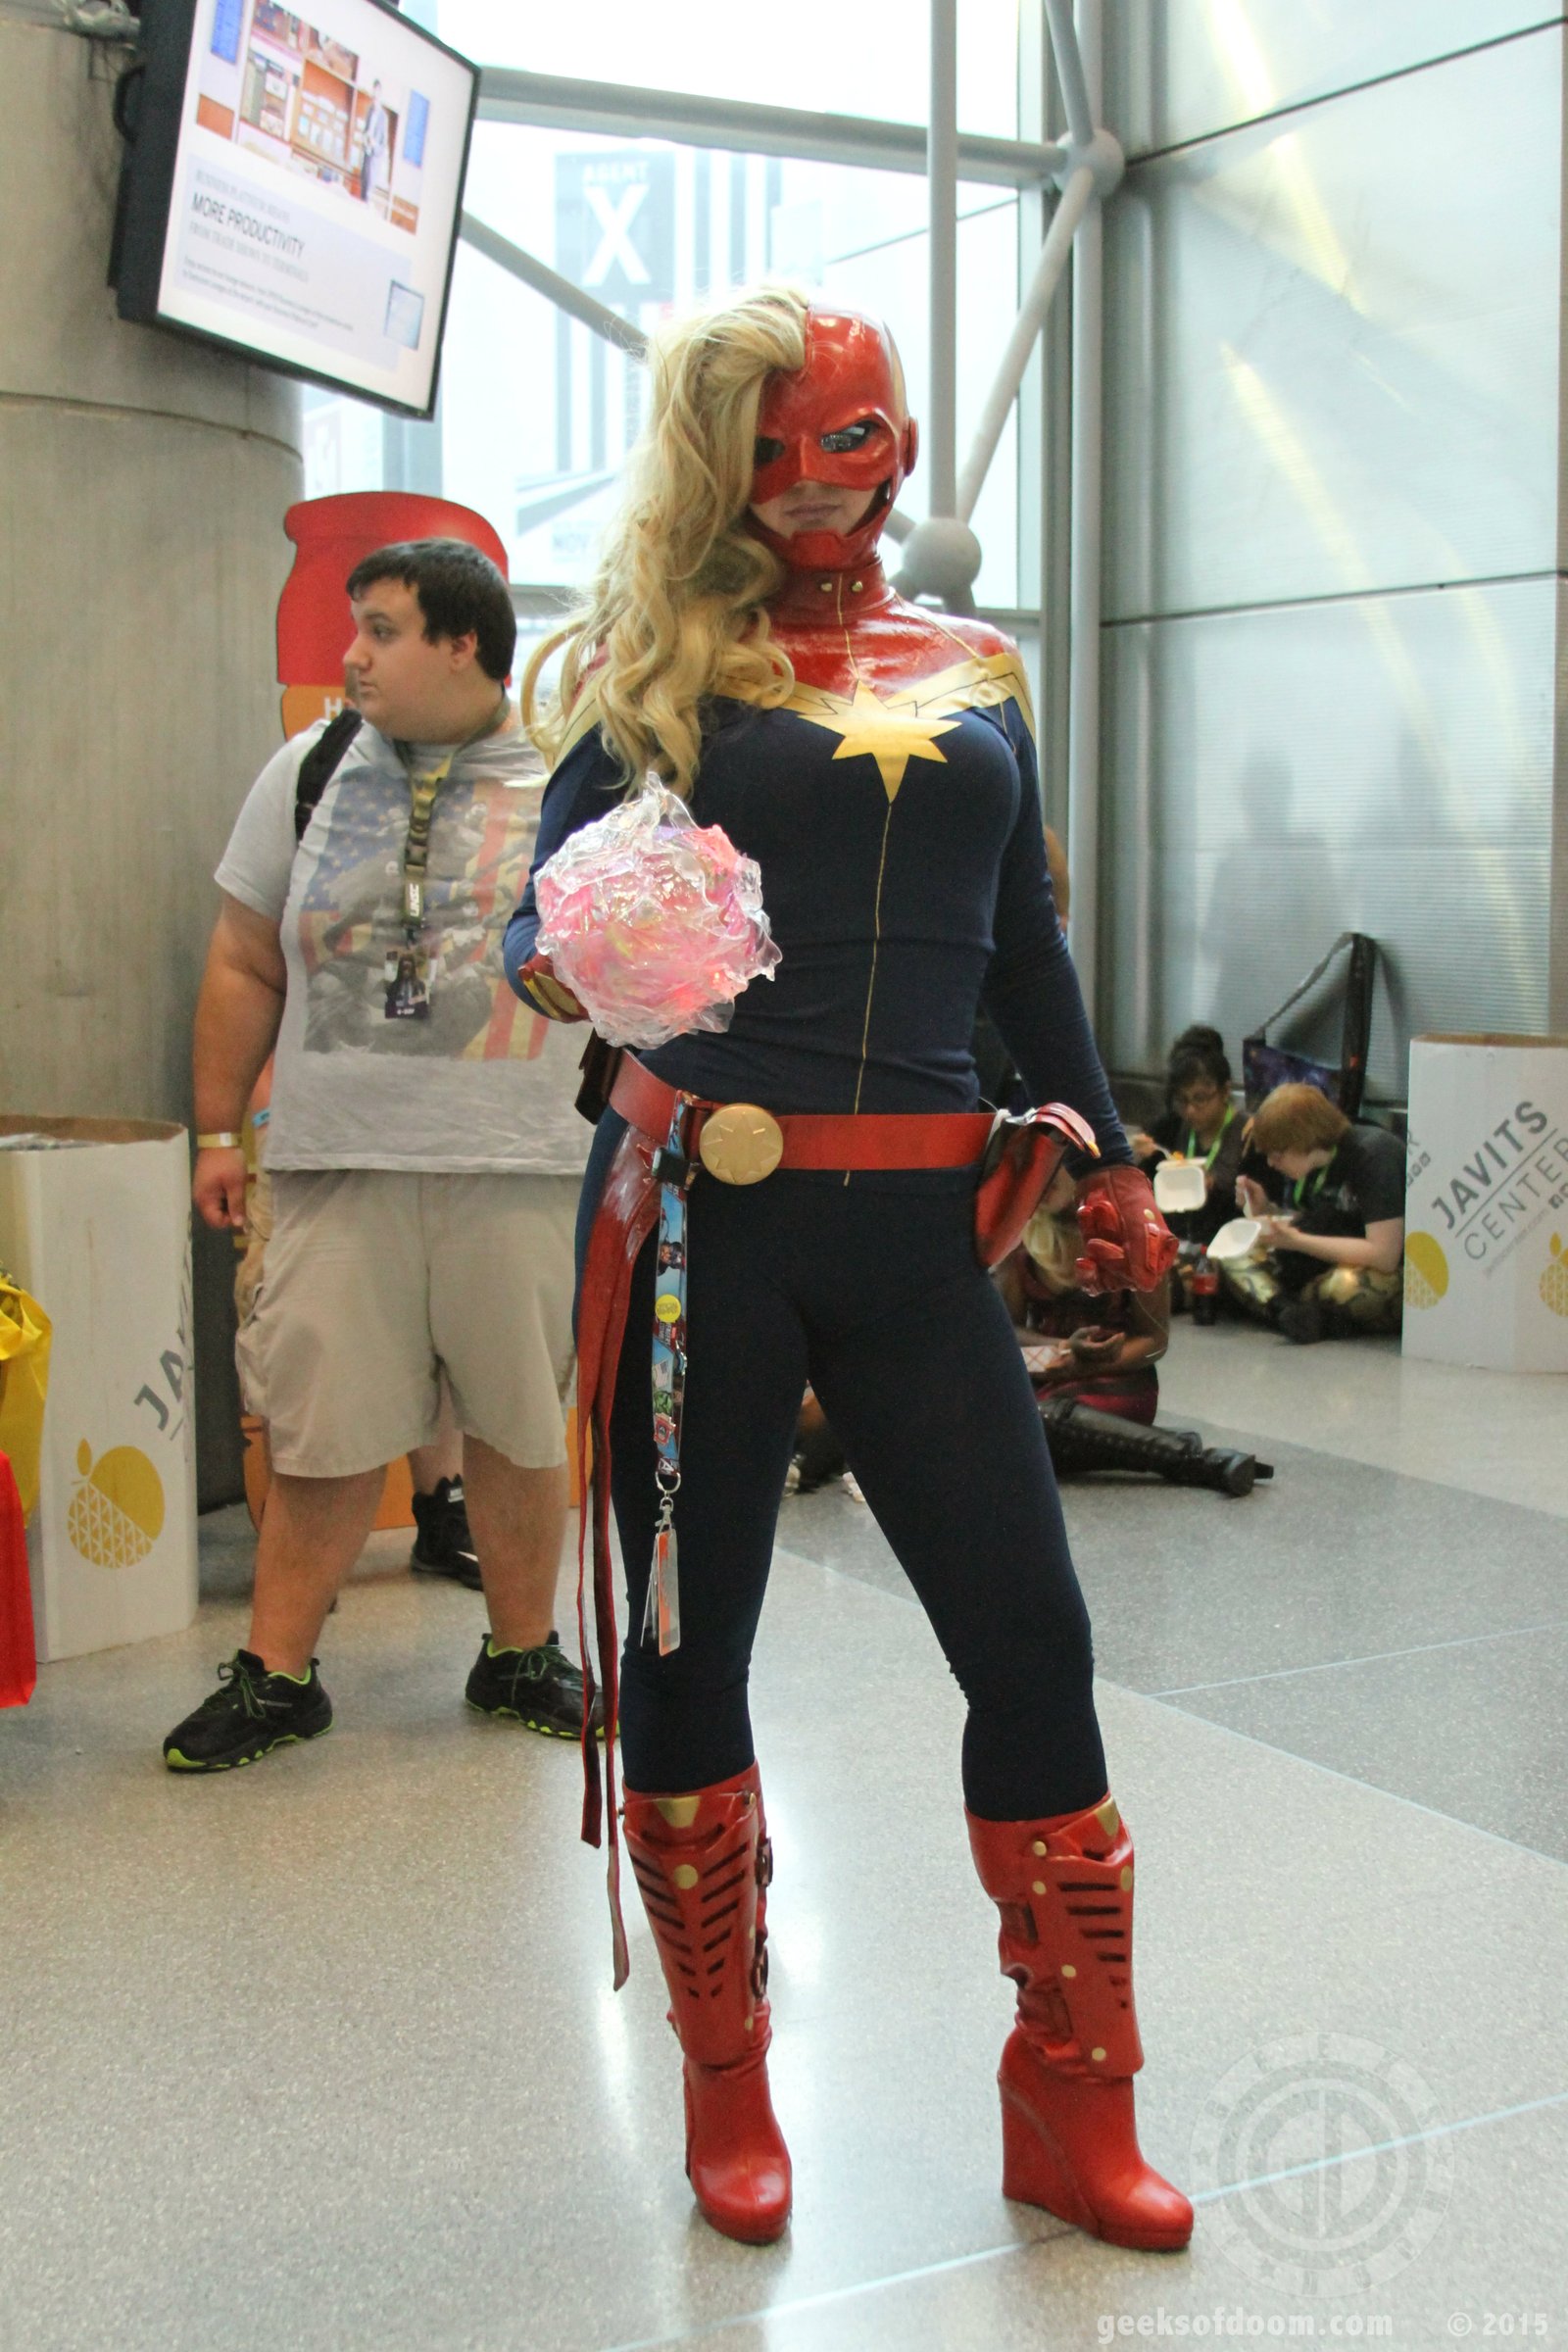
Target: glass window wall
{"x":537,"y":412}
{"x":870,"y":60}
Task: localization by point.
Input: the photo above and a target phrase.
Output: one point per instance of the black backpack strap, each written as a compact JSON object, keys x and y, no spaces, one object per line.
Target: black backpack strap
{"x":1357,"y":1022}
{"x":1347,"y":939}
{"x":321,"y":763}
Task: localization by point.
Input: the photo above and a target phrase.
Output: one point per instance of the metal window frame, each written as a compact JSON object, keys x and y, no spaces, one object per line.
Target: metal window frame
{"x":941,"y":554}
{"x":553,"y":102}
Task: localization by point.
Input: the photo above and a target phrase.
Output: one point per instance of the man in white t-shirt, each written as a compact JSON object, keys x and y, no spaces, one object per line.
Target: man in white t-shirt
{"x":423,"y":1150}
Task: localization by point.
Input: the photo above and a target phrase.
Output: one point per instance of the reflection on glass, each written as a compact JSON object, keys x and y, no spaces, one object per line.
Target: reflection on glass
{"x":538,"y":413}
{"x":1460,"y":821}
{"x":868,"y":60}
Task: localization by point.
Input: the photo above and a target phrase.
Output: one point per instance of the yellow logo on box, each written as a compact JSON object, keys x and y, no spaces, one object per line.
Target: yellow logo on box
{"x":116,"y":1514}
{"x":1426,"y":1270}
{"x":1555,"y":1281}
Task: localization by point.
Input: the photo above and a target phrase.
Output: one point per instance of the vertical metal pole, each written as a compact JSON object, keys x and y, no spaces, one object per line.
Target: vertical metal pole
{"x":1033,"y":221}
{"x":1087,"y":354}
{"x":1076,"y":199}
{"x":941,"y":169}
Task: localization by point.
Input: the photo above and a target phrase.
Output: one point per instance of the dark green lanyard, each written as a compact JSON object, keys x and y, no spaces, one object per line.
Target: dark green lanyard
{"x":1314,"y":1182}
{"x":1213,"y":1149}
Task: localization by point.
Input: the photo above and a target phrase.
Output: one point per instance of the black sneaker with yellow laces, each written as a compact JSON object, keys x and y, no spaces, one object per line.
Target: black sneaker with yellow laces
{"x":540,"y":1689}
{"x":248,"y":1715}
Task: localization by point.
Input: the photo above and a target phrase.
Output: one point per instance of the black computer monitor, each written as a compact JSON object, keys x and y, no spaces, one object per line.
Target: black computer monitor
{"x":292,"y":188}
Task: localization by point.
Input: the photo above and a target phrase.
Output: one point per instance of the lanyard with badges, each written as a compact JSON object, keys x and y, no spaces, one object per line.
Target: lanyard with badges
{"x":407,"y":970}
{"x":1315,"y":1185}
{"x":661,"y":1616}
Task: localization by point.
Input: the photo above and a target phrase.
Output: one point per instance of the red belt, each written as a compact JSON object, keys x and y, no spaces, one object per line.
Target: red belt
{"x":740,"y":1142}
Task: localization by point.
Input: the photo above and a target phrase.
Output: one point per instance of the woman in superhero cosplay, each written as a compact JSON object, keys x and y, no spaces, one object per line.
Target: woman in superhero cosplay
{"x":876,"y":760}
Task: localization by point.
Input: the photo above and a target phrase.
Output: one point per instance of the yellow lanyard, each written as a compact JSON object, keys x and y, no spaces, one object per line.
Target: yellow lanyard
{"x":422,"y":788}
{"x":416,"y":847}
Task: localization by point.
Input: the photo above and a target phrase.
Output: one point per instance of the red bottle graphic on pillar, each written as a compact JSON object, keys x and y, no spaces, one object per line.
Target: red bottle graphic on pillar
{"x":331,"y":535}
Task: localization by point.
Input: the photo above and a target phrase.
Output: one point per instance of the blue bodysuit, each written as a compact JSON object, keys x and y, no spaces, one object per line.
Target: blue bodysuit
{"x":894,"y":817}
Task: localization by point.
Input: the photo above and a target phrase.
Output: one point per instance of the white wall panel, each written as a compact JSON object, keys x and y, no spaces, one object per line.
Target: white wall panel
{"x":1332,"y":356}
{"x":1383,"y":765}
{"x":1180,"y":69}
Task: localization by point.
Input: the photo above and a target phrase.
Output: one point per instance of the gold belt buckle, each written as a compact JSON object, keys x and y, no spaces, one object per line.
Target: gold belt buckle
{"x":740,"y":1142}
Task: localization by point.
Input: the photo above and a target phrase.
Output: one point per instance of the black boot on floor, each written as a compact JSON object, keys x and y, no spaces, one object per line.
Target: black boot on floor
{"x":250,"y":1713}
{"x":1303,"y":1321}
{"x":540,"y":1689}
{"x":443,"y":1545}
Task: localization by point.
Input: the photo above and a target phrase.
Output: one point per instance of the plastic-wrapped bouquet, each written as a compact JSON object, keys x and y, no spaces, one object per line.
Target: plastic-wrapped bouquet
{"x":653,"y":921}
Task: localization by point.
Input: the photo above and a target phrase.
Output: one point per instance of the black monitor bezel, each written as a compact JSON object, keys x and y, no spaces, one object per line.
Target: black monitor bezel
{"x":147,"y":188}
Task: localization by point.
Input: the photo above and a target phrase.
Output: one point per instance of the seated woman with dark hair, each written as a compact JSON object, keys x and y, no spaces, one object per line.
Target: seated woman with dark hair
{"x":1333,"y":1221}
{"x":1200,"y":1123}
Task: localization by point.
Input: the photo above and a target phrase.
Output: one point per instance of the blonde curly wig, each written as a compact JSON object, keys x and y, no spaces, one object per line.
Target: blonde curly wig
{"x":675,"y":613}
{"x":1051,"y":1240}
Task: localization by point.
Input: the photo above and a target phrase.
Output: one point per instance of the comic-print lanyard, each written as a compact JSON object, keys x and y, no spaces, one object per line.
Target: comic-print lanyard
{"x":423,"y":785}
{"x":661,"y":1616}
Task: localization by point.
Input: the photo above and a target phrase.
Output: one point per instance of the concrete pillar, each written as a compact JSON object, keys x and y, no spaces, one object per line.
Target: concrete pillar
{"x":143,"y":481}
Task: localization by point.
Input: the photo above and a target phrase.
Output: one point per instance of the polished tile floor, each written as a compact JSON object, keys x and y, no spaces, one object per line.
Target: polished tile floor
{"x":323,"y":2055}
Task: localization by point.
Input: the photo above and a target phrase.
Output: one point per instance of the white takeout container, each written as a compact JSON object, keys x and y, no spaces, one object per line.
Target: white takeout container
{"x":1180,"y":1184}
{"x":1237,"y":1239}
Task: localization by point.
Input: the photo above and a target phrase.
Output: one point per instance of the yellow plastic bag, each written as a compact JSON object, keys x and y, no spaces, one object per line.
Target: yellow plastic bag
{"x":24,"y":1333}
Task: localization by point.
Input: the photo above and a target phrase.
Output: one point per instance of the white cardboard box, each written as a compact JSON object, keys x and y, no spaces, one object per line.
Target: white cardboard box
{"x":100,"y":1233}
{"x":1485,"y":1235}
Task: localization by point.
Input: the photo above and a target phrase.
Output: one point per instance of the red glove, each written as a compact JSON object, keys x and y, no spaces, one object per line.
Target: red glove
{"x":1127,"y":1244}
{"x":536,"y":980}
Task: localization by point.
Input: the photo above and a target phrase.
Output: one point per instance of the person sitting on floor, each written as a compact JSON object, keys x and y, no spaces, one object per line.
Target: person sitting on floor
{"x":1093,"y":1363}
{"x":1200,"y":1123}
{"x":1329,"y":1257}
{"x":1104,"y":1348}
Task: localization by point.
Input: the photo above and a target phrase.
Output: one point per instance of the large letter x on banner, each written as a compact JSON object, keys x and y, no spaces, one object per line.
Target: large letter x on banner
{"x":615,"y":249}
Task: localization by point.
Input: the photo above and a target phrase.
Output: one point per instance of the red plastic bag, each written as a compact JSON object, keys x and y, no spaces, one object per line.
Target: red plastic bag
{"x":19,"y":1661}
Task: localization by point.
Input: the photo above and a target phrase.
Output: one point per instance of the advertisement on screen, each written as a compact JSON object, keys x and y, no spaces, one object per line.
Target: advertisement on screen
{"x":316,"y":180}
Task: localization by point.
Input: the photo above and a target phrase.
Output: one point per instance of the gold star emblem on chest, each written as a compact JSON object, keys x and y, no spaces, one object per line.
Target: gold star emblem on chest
{"x":870,"y":730}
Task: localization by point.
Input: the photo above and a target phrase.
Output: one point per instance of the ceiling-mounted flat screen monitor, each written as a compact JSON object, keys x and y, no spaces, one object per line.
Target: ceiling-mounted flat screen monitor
{"x":293,"y":185}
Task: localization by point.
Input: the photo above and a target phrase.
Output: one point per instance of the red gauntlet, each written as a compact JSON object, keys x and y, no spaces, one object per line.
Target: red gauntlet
{"x":536,"y":980}
{"x":1127,"y":1244}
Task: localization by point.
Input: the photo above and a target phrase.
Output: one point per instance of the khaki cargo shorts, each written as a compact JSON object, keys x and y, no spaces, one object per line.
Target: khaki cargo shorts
{"x":375,"y":1285}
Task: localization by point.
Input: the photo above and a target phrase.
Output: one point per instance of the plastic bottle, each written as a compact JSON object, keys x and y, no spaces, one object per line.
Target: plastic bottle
{"x":1205,"y":1290}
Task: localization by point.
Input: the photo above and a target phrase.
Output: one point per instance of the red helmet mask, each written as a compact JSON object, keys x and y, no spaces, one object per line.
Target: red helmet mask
{"x":841,"y":419}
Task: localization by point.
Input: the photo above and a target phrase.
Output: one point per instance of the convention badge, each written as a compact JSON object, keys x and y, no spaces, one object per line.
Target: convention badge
{"x":407,"y":988}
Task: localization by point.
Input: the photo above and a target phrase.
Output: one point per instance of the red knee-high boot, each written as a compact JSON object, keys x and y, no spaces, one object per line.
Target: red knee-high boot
{"x":1069,"y":2143}
{"x":702,"y":1862}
